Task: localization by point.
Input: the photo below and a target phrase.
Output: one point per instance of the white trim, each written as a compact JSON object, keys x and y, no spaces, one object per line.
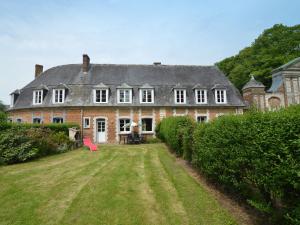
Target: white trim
{"x":184,"y":96}
{"x":153,"y":123}
{"x":201,"y":114}
{"x":95,"y":128}
{"x":84,"y":124}
{"x":141,"y":95}
{"x":12,"y":100}
{"x":63,"y":96}
{"x":225,"y":96}
{"x":130,"y":95}
{"x":196,"y":96}
{"x":35,"y":92}
{"x":118,"y":122}
{"x":94,"y":95}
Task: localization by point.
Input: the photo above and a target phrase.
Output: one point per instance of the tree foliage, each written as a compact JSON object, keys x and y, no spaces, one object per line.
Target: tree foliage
{"x":273,"y":48}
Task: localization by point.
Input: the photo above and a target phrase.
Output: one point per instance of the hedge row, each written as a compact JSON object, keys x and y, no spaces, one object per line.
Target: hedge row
{"x":255,"y":155}
{"x":57,"y":127}
{"x":175,"y":131}
{"x":23,"y":142}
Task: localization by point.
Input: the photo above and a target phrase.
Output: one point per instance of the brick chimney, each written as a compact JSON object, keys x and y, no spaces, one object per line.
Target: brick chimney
{"x":38,"y":70}
{"x":85,"y":63}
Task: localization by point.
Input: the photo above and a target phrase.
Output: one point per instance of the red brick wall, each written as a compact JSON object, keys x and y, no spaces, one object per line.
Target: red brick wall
{"x":75,"y":115}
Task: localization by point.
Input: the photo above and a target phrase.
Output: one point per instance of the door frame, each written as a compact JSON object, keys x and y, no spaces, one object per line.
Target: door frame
{"x":96,"y":128}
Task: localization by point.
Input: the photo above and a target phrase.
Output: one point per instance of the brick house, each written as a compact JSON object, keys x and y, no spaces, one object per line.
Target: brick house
{"x":284,"y":91}
{"x":105,"y":98}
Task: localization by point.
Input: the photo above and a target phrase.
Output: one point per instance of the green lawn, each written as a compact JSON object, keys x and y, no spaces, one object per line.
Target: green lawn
{"x":119,"y":184}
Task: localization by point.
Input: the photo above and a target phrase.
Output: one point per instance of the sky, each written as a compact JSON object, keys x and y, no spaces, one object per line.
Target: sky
{"x":197,"y":32}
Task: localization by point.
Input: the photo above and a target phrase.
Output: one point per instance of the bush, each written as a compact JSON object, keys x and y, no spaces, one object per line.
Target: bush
{"x":57,"y":127}
{"x":22,"y":143}
{"x":176,"y":132}
{"x":256,"y":155}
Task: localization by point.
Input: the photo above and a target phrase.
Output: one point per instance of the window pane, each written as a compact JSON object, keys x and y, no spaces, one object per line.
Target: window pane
{"x":124,"y":125}
{"x":201,"y":119}
{"x":147,"y":124}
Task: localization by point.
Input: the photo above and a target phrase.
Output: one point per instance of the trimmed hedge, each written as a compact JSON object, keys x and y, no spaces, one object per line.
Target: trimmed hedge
{"x":175,"y":131}
{"x":255,"y":155}
{"x":58,"y":127}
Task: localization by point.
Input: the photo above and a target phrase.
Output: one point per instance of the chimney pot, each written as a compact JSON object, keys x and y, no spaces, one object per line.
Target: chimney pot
{"x":38,"y":70}
{"x":85,"y":63}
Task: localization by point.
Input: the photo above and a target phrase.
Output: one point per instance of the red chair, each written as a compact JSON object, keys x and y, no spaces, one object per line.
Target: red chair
{"x":88,"y":143}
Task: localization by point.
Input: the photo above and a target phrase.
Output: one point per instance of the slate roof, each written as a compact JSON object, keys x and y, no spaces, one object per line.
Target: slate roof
{"x":163,"y":78}
{"x":252,"y":83}
{"x":287,"y":65}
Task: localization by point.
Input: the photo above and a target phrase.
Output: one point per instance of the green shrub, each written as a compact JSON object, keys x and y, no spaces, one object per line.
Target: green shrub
{"x":177,"y":132}
{"x":256,"y":155}
{"x":58,"y":127}
{"x":22,"y":143}
{"x":16,"y":147}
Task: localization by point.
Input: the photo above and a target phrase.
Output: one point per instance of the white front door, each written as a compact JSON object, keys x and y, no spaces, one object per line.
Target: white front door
{"x":101,"y":130}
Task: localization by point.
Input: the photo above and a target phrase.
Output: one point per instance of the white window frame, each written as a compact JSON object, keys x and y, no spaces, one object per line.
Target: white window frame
{"x":119,"y":125}
{"x":141,"y":95}
{"x":85,"y":126}
{"x":63,"y":96}
{"x":205,"y":96}
{"x":184,"y":96}
{"x":12,"y":100}
{"x":35,"y":97}
{"x":216,"y":96}
{"x":130,"y":95}
{"x":95,"y":95}
{"x":147,"y":132}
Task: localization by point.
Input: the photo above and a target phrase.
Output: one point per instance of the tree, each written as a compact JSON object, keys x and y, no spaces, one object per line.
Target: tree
{"x":3,"y":116}
{"x":273,"y":48}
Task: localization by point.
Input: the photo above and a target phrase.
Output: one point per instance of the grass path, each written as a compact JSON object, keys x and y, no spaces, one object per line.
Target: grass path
{"x":120,"y":184}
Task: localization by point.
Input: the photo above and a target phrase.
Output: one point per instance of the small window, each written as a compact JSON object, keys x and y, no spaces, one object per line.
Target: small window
{"x":147,"y":125}
{"x":37,"y":97}
{"x":201,"y":96}
{"x":19,"y":120}
{"x":37,"y":120}
{"x":201,"y":119}
{"x":124,"y":125}
{"x":101,"y":96}
{"x":58,"y":120}
{"x":58,"y":95}
{"x":147,"y":96}
{"x":220,"y":96}
{"x":86,"y":122}
{"x":124,"y":96}
{"x":180,"y":96}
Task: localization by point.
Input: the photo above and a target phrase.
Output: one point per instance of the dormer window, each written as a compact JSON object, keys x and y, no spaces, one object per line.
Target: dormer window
{"x":13,"y":97}
{"x":201,"y":96}
{"x":101,"y":96}
{"x":124,"y":93}
{"x":147,"y":96}
{"x":37,"y":97}
{"x":124,"y":96}
{"x":58,"y":96}
{"x":180,"y":96}
{"x":220,"y":96}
